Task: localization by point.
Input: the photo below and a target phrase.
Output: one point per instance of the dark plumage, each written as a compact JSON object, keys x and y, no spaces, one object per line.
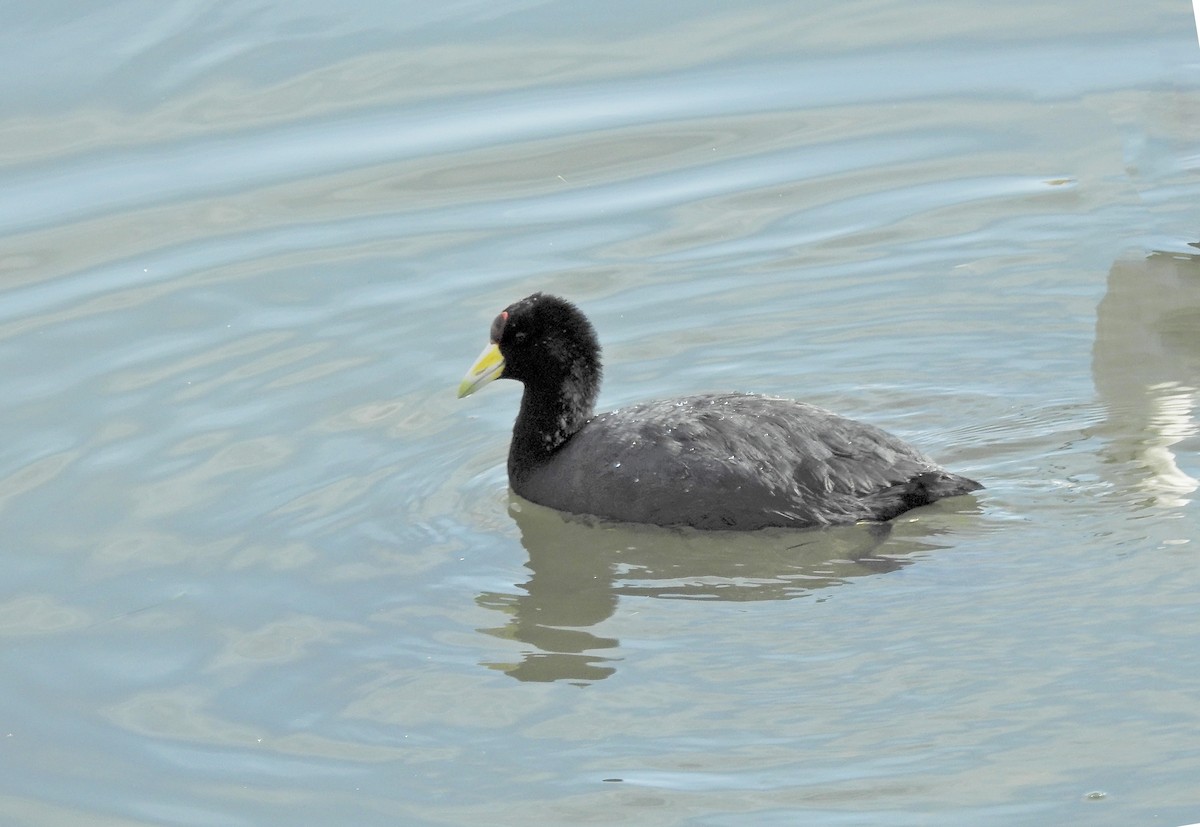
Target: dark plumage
{"x":713,"y":461}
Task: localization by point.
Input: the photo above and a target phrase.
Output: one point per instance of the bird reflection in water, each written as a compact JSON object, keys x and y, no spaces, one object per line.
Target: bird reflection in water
{"x":579,"y":569}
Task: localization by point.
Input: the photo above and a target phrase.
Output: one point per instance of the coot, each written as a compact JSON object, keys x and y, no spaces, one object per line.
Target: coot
{"x":713,"y":461}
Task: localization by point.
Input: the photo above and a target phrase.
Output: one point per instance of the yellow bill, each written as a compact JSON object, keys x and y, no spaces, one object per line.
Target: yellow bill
{"x":489,"y":366}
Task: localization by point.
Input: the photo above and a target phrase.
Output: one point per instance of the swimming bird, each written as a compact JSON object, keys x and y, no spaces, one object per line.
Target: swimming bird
{"x":735,"y":461}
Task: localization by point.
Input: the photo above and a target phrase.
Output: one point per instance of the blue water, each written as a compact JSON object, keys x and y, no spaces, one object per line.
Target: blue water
{"x":263,"y":568}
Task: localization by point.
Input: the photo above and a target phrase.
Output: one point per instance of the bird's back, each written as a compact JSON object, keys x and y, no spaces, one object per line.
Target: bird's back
{"x":735,"y":461}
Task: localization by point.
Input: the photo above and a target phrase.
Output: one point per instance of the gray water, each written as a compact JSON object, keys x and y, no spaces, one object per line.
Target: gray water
{"x":261,"y":566}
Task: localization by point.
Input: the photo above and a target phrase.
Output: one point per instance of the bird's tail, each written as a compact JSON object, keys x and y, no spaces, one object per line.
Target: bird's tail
{"x":923,"y":489}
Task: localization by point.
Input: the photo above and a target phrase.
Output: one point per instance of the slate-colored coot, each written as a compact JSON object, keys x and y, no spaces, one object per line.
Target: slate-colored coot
{"x":714,"y":461}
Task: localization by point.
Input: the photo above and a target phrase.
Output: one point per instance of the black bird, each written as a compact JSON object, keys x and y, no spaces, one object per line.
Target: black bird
{"x":714,"y":461}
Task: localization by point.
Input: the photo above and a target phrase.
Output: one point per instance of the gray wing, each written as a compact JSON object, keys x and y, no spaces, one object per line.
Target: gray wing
{"x":729,"y":461}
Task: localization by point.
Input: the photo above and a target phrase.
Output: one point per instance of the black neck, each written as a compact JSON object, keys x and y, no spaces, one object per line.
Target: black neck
{"x":547,"y":419}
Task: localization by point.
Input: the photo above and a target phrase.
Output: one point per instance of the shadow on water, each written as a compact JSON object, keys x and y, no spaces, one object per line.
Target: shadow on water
{"x":579,"y":570}
{"x":1146,"y":366}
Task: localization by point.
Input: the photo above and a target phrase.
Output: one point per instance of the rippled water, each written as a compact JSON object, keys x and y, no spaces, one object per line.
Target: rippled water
{"x":263,"y":568}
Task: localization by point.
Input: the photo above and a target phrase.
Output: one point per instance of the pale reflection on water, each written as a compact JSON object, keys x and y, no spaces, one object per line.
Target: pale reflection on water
{"x":1146,"y":364}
